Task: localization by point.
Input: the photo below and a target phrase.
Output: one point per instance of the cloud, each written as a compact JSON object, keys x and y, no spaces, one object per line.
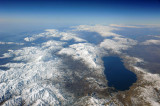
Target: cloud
{"x":126,"y":26}
{"x":10,"y":43}
{"x":151,"y":42}
{"x":117,"y":44}
{"x":149,"y":25}
{"x":105,"y":31}
{"x":158,"y":36}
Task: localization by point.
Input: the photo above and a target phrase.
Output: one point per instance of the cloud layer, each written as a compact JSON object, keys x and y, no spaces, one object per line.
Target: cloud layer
{"x":117,"y":44}
{"x":151,"y":42}
{"x":10,"y":43}
{"x":104,"y":31}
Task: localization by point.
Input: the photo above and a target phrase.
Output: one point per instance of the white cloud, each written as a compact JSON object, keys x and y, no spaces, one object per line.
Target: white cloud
{"x":127,"y":26}
{"x":151,"y":42}
{"x":117,"y":44}
{"x":11,"y":43}
{"x":105,"y":31}
{"x":158,"y":36}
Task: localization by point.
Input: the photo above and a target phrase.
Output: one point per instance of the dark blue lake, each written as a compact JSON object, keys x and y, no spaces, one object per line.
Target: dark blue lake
{"x":117,"y":75}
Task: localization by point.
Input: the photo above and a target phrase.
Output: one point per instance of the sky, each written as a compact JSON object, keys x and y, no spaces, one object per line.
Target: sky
{"x":79,"y":12}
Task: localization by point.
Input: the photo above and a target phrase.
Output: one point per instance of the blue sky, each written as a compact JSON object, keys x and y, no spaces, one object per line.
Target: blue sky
{"x":80,"y":11}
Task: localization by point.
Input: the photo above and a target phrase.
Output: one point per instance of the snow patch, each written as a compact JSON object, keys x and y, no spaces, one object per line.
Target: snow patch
{"x":85,"y":51}
{"x":53,"y":33}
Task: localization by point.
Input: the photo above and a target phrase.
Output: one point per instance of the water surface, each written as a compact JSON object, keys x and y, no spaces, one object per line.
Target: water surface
{"x":117,"y":75}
